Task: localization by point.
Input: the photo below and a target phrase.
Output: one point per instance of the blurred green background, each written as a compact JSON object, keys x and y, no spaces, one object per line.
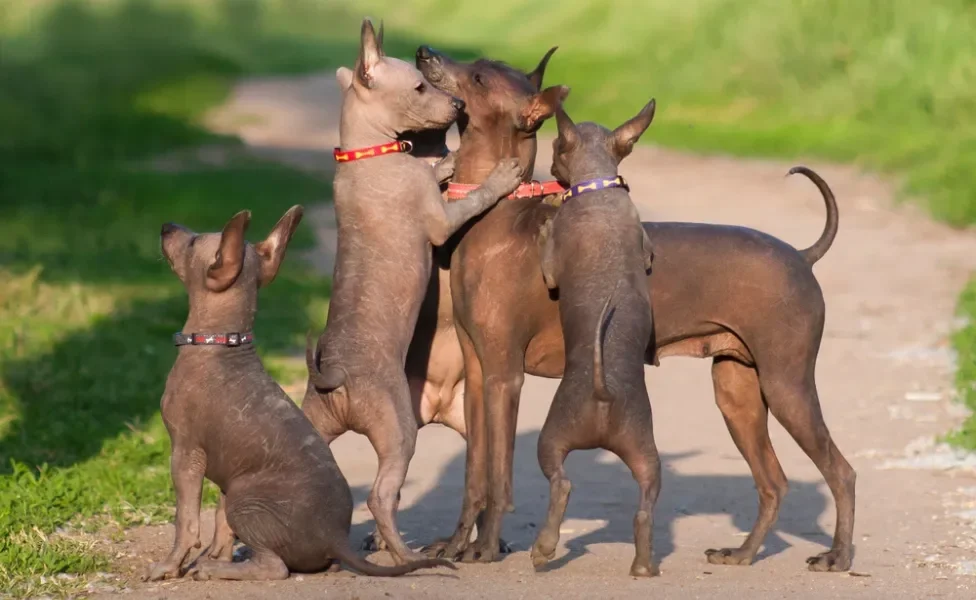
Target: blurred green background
{"x":91,"y":91}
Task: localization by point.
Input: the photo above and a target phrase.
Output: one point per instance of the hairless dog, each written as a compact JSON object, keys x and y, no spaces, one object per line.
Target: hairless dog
{"x":596,"y":254}
{"x":717,"y":294}
{"x":281,"y":490}
{"x":390,"y":213}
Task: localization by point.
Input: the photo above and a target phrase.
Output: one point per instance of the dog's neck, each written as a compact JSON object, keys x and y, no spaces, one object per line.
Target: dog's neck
{"x":480,"y":151}
{"x":601,"y":167}
{"x":234,"y":313}
{"x":360,"y":129}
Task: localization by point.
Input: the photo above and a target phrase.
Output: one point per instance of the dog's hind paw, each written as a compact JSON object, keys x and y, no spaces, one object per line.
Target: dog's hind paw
{"x":163,"y":570}
{"x":729,"y":556}
{"x":644,"y":570}
{"x":833,"y":560}
{"x":373,"y":542}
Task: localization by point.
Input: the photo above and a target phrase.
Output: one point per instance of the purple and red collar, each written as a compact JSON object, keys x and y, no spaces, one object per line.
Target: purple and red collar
{"x":595,"y":185}
{"x":231,"y":340}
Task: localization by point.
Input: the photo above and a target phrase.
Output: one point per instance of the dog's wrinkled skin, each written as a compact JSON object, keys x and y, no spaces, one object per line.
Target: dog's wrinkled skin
{"x":504,"y":108}
{"x":390,"y":213}
{"x":596,"y":254}
{"x":281,"y":490}
{"x":718,"y":293}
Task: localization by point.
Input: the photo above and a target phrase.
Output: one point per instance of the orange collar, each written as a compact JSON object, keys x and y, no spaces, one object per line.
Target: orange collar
{"x":341,"y":156}
{"x":532,"y":189}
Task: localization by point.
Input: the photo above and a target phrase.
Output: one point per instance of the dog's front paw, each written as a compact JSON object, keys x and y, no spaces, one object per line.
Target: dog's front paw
{"x":833,"y":560}
{"x":729,"y":556}
{"x":504,"y":178}
{"x":444,"y":169}
{"x":163,"y":570}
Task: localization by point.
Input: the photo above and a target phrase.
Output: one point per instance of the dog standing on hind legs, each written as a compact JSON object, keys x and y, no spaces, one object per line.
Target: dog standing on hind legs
{"x":595,"y":252}
{"x":390,"y":215}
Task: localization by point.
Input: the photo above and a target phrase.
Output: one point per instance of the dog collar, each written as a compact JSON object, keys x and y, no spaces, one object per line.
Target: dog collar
{"x":372,"y":151}
{"x":231,"y":340}
{"x":531,"y":189}
{"x":593,"y":185}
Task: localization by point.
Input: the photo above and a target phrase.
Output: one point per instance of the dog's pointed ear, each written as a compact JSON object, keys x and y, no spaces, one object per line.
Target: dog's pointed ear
{"x":379,"y":38}
{"x":344,"y":77}
{"x":229,"y":260}
{"x":370,"y":53}
{"x":568,"y":134}
{"x":536,"y":75}
{"x":542,"y":106}
{"x":272,"y":250}
{"x":625,"y":136}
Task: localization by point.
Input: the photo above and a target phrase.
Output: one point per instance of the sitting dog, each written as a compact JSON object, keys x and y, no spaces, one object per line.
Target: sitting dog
{"x":390,"y":214}
{"x":595,"y":253}
{"x":281,"y":490}
{"x":717,"y":294}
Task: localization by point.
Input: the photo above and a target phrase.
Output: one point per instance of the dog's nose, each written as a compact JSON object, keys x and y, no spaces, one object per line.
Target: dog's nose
{"x":457,"y":103}
{"x":424,"y":52}
{"x":168,"y":228}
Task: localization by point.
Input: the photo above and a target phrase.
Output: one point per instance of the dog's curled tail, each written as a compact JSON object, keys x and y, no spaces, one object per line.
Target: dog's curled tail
{"x":325,"y":380}
{"x":820,"y":247}
{"x":600,"y":390}
{"x":350,"y":558}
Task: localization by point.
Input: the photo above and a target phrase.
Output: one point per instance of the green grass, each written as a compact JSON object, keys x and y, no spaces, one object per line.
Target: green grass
{"x":965,"y":342}
{"x":90,"y":93}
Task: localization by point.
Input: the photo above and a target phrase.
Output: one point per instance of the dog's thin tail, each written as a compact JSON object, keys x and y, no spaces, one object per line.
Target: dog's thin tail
{"x":820,"y":247}
{"x":348,"y":557}
{"x":327,"y":379}
{"x":600,"y":390}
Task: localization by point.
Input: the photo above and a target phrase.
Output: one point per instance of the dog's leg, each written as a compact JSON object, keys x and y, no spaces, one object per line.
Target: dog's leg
{"x":738,"y":397}
{"x":263,"y":565}
{"x":475,"y":473}
{"x":552,"y":449}
{"x":547,"y":254}
{"x":639,"y":452}
{"x":503,"y":385}
{"x":393,"y":434}
{"x":222,"y":546}
{"x":187,"y":467}
{"x":445,"y":218}
{"x":792,"y":398}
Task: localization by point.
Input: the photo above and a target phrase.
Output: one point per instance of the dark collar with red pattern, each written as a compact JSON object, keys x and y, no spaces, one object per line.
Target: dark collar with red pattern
{"x":531,"y":189}
{"x":372,"y":151}
{"x":212,"y":339}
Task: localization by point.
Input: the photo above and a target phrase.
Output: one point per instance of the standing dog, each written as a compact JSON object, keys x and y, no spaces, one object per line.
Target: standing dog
{"x":281,"y":490}
{"x":595,"y":253}
{"x":504,"y":108}
{"x":390,"y":213}
{"x":717,"y":294}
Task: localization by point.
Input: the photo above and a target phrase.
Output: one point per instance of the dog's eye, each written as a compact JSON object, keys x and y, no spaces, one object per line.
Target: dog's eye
{"x":478,"y":80}
{"x":421,"y":87}
{"x":193,"y":240}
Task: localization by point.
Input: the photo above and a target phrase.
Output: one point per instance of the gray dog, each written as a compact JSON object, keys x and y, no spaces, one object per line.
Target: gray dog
{"x":281,"y":490}
{"x":390,"y":213}
{"x":596,"y":254}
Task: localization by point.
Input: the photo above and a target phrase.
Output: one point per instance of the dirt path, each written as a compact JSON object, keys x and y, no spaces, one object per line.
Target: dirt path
{"x":884,"y":374}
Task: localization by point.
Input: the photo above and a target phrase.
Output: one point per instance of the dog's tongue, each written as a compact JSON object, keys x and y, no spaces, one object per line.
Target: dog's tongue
{"x":431,"y":143}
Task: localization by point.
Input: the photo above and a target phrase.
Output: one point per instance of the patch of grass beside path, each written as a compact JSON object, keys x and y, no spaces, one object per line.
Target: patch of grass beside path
{"x":92,"y":91}
{"x":965,"y":342}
